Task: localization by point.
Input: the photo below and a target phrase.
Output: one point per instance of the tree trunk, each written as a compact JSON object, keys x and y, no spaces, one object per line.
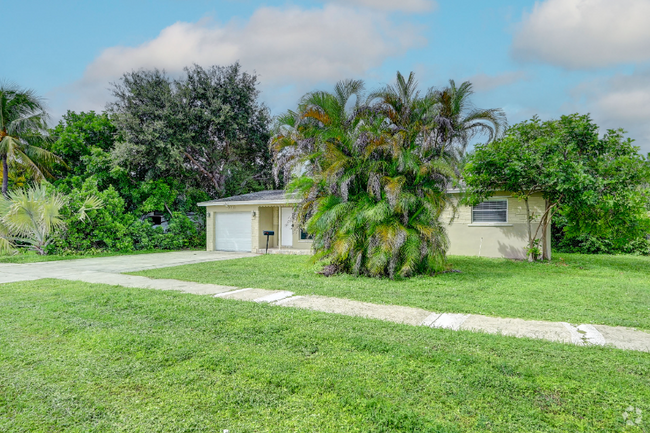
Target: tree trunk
{"x":530,"y":232}
{"x":545,"y":240}
{"x":5,"y":176}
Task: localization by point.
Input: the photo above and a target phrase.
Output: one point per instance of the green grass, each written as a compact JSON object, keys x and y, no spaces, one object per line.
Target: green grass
{"x":32,"y":257}
{"x":77,"y":357}
{"x":607,"y":290}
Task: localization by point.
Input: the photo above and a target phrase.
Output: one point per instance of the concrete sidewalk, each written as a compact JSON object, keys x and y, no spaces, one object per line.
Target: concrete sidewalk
{"x":108,"y":271}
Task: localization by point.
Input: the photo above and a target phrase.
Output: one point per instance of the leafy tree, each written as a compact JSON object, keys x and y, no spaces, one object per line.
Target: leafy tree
{"x":86,"y":141}
{"x":79,"y":137}
{"x":23,"y":134}
{"x":594,"y":183}
{"x":372,"y":177}
{"x":206,"y":129}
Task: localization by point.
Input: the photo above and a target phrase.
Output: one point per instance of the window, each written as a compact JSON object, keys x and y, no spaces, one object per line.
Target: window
{"x":493,"y":211}
{"x":305,"y":236}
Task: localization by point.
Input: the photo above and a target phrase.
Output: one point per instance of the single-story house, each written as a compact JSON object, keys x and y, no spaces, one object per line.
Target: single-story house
{"x":495,"y":228}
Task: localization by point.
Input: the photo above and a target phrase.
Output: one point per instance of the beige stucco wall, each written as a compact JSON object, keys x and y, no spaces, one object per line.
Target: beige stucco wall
{"x":266,"y":218}
{"x":508,"y":240}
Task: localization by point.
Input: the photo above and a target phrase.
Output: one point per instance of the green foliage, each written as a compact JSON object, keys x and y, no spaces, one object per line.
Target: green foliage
{"x":374,"y":175}
{"x":87,"y":141}
{"x":597,"y":184}
{"x":103,"y":229}
{"x":206,"y":130}
{"x":618,"y":242}
{"x":31,"y":217}
{"x":112,"y":228}
{"x":181,"y":233}
{"x":23,"y":135}
{"x":80,"y":138}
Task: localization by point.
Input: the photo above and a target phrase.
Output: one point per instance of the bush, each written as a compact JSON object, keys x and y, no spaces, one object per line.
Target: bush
{"x":181,"y":233}
{"x":104,"y":229}
{"x":113,"y":229}
{"x":589,"y":244}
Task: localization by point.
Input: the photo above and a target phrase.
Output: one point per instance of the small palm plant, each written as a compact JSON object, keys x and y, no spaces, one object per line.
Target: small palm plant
{"x":29,"y":217}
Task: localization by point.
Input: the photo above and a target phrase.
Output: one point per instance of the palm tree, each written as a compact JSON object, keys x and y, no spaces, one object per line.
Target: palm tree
{"x":372,"y":195}
{"x":29,"y":217}
{"x":457,"y":121}
{"x":23,"y":132}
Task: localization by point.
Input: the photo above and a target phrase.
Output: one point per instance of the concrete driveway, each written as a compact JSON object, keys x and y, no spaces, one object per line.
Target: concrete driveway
{"x":113,"y":265}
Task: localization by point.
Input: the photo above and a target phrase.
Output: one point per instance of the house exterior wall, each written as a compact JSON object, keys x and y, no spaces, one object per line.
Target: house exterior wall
{"x":509,"y":240}
{"x":266,"y":218}
{"x":267,"y":221}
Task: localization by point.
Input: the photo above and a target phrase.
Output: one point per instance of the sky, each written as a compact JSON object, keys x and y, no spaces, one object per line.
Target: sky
{"x":545,"y":58}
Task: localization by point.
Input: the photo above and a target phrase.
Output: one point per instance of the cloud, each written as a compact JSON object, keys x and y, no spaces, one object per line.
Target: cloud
{"x":621,"y":101}
{"x":581,"y":34}
{"x":393,"y":5}
{"x":290,"y":48}
{"x":483,"y":82}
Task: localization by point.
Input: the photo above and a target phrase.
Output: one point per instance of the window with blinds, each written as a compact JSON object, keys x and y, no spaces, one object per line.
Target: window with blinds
{"x":493,"y":211}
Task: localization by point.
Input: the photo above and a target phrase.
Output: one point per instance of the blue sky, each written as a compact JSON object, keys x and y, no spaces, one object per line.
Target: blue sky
{"x":548,"y":57}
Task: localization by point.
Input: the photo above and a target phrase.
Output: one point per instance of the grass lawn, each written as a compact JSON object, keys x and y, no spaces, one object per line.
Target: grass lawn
{"x":607,"y":290}
{"x":91,"y":358}
{"x":32,"y":257}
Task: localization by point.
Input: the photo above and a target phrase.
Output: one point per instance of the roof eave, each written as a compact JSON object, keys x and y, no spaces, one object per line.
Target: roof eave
{"x":246,"y":202}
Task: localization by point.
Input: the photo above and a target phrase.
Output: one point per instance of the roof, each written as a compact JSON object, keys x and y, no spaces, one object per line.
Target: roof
{"x":276,"y":196}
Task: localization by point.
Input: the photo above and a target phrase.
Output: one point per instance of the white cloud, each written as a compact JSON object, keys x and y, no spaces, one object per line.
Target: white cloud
{"x":622,"y":101}
{"x":577,"y":34}
{"x":483,"y":82}
{"x":288,"y":47}
{"x":393,"y":5}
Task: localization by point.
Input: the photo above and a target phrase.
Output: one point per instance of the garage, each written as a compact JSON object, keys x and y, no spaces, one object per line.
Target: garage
{"x":233,"y":231}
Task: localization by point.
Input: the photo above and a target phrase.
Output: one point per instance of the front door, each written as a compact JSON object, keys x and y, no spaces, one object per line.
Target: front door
{"x":287,"y":227}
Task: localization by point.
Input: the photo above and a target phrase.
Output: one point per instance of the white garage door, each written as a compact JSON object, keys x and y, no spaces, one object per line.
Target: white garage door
{"x":233,"y":231}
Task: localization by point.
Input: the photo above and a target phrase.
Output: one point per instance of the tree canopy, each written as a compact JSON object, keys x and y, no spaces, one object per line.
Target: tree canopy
{"x":595,"y":183}
{"x":206,"y":128}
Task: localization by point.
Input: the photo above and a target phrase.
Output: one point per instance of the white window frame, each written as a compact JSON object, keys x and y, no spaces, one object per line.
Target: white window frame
{"x":505,"y":223}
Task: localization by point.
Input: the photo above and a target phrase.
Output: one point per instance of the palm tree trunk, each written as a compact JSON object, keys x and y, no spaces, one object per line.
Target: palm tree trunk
{"x":5,"y":175}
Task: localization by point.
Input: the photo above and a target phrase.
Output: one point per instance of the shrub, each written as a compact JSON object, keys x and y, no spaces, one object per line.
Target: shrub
{"x":103,"y":229}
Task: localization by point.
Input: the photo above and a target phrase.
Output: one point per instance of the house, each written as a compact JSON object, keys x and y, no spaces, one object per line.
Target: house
{"x":495,"y":228}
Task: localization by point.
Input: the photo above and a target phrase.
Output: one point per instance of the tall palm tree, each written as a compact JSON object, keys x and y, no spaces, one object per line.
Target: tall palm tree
{"x":23,"y":132}
{"x":457,"y":121}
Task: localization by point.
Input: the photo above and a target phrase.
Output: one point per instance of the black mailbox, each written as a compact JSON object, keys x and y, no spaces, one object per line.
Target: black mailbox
{"x":268,"y":233}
